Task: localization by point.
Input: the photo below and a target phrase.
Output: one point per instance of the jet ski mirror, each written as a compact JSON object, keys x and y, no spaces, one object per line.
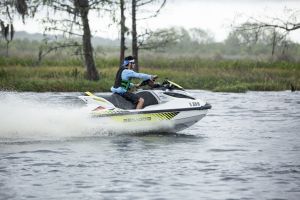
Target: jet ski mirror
{"x":171,"y":85}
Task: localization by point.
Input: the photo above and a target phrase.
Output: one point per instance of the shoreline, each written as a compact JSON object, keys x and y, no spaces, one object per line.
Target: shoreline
{"x":215,"y":76}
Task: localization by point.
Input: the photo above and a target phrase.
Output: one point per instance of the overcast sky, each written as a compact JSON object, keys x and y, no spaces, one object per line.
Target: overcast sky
{"x":213,"y":15}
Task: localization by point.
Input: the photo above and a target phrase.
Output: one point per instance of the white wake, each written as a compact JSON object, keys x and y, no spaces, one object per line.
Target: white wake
{"x":33,"y":118}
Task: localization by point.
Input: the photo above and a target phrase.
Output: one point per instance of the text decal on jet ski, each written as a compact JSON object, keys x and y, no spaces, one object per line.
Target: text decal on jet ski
{"x":194,"y":104}
{"x":137,"y":119}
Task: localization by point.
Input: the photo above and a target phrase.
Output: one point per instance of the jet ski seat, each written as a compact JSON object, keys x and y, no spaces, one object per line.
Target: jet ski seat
{"x":120,"y":102}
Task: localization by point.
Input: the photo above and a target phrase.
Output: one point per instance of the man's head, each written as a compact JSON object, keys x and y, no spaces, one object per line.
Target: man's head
{"x":129,"y":62}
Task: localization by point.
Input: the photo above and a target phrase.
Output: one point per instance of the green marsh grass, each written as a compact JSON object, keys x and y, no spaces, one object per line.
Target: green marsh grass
{"x":22,"y":74}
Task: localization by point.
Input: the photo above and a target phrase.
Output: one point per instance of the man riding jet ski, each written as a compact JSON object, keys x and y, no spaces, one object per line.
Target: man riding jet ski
{"x":165,"y":107}
{"x":123,"y":84}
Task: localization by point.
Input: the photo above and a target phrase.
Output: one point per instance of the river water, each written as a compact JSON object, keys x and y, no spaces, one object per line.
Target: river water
{"x":247,"y":147}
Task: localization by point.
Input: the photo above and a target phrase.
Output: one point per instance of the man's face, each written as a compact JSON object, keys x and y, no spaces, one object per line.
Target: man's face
{"x":131,"y":65}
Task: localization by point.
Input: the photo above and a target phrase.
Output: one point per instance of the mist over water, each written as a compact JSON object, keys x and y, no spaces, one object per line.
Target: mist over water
{"x":30,"y":116}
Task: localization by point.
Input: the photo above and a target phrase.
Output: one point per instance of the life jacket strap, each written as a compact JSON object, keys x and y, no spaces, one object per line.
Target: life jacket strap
{"x":125,"y":84}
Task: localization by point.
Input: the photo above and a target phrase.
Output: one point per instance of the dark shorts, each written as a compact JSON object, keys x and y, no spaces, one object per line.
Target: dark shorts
{"x":131,"y":97}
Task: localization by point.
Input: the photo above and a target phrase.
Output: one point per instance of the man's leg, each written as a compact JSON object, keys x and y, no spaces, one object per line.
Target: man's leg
{"x":140,"y":104}
{"x":135,"y":99}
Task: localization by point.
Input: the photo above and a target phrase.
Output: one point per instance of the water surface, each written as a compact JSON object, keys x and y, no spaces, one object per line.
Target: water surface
{"x":247,"y":147}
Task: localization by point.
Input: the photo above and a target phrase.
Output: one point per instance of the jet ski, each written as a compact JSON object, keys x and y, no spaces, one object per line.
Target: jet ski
{"x":168,"y":107}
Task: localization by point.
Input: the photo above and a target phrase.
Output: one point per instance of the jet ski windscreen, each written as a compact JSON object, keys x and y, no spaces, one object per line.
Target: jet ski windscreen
{"x":178,"y":95}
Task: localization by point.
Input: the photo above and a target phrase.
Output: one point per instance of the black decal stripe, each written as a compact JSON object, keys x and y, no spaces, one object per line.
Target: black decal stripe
{"x":169,"y":115}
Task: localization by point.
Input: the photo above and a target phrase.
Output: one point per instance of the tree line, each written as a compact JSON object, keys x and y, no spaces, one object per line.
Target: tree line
{"x":73,"y":20}
{"x":191,"y":43}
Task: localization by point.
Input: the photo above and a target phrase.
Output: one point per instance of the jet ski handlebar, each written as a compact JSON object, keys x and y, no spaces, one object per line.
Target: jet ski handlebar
{"x":166,"y":85}
{"x":148,"y":82}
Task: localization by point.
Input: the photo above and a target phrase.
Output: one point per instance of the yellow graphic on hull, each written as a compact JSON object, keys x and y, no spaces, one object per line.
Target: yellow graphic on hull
{"x":142,"y":117}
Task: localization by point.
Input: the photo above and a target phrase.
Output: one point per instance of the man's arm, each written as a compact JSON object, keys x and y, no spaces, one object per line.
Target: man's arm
{"x":127,"y":74}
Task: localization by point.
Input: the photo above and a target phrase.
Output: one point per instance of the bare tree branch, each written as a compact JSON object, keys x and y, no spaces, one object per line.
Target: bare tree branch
{"x":291,"y":24}
{"x":155,"y":12}
{"x":56,"y":47}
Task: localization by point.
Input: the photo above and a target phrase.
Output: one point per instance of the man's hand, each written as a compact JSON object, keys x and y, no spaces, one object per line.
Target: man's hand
{"x":136,"y":85}
{"x":153,"y":77}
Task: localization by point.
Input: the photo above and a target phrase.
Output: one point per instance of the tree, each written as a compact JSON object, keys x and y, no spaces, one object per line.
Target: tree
{"x":123,"y":31}
{"x":159,"y":39}
{"x":72,"y":10}
{"x":291,"y":23}
{"x":9,"y":7}
{"x":135,"y":6}
{"x":266,"y":36}
{"x":200,"y":36}
{"x":7,"y":10}
{"x":74,"y":20}
{"x":134,"y":46}
{"x":83,"y":7}
{"x":278,"y":28}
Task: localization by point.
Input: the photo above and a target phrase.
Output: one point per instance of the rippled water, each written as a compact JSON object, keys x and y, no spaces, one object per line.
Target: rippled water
{"x":247,"y":147}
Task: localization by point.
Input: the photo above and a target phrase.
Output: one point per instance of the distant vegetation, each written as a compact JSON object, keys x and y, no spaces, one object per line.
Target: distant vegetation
{"x":230,"y":66}
{"x":186,"y":43}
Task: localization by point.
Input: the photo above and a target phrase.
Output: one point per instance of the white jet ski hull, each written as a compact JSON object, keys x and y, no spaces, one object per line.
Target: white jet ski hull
{"x":148,"y":121}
